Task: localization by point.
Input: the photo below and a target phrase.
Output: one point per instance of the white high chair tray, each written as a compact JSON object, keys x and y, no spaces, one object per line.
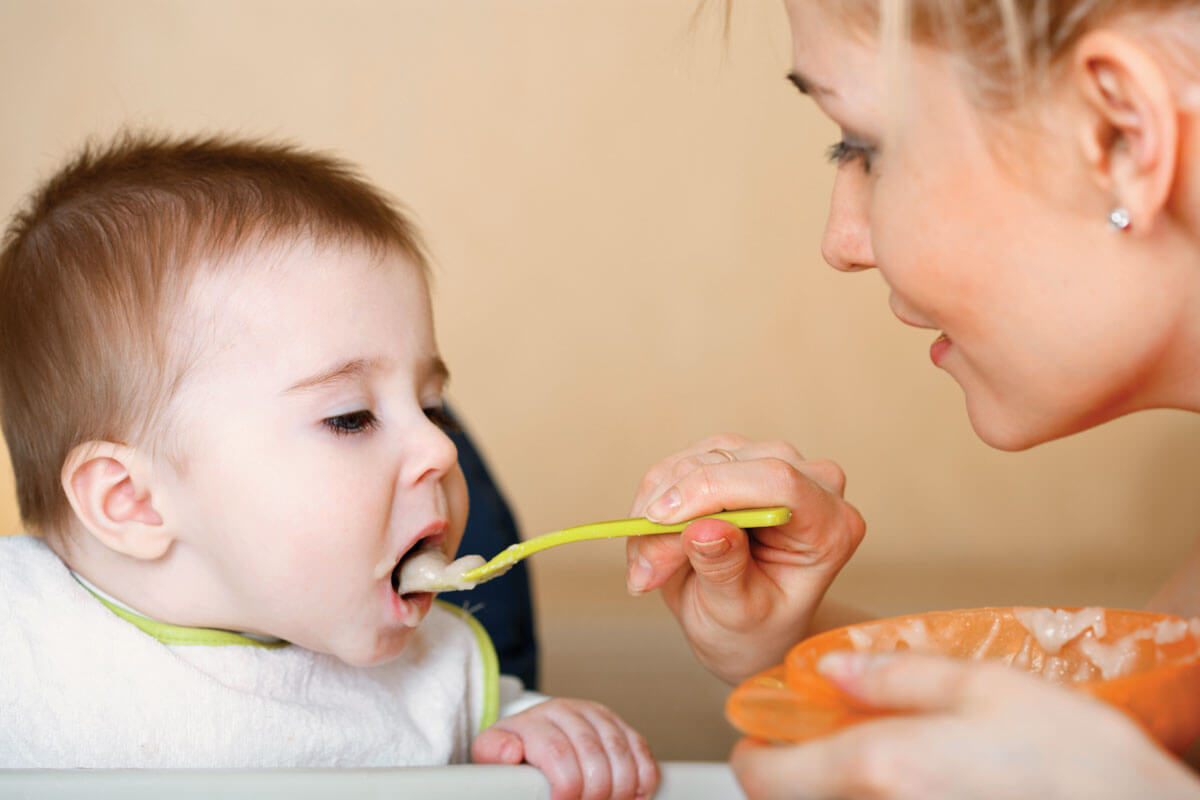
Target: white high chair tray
{"x":681,"y":780}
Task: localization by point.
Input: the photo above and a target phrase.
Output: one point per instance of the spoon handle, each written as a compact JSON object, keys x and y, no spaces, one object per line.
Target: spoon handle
{"x":636,"y":526}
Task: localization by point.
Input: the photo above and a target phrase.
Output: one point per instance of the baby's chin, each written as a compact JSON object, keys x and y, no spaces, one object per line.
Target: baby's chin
{"x":371,"y":643}
{"x":379,"y":652}
{"x":367,"y":649}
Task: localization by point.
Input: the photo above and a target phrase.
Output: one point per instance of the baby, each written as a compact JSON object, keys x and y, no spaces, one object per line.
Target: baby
{"x":222,"y":398}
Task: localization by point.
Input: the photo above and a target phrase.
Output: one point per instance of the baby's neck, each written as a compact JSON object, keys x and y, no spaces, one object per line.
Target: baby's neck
{"x":172,"y":589}
{"x":113,"y":601}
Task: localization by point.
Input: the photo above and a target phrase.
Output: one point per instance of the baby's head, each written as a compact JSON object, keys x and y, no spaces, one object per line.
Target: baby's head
{"x":221,"y":390}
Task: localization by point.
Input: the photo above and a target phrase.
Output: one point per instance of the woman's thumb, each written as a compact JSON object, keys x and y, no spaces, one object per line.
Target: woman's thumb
{"x":720,"y":554}
{"x":906,"y":681}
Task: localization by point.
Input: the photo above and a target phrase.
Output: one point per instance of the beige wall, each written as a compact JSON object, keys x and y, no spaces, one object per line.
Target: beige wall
{"x":625,"y":216}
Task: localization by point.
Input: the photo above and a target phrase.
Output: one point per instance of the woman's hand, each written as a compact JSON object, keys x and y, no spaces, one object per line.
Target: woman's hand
{"x":741,"y":600}
{"x":982,"y":731}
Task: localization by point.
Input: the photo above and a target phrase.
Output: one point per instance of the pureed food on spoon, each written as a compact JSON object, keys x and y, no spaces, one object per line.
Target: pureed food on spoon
{"x":431,"y":570}
{"x":1148,"y":665}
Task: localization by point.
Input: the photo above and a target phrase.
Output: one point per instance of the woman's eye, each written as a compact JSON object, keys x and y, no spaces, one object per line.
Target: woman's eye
{"x":354,"y":422}
{"x":847,"y":152}
{"x":440,"y":417}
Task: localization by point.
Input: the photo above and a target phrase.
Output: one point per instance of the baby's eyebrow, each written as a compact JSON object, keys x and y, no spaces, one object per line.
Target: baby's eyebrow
{"x":346,"y":370}
{"x":435,"y":369}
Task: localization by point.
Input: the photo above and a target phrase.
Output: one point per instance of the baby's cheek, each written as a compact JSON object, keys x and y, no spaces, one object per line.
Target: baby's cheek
{"x":455,"y":487}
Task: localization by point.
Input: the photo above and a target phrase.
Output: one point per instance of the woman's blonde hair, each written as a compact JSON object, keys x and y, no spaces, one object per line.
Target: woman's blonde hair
{"x":1010,"y":48}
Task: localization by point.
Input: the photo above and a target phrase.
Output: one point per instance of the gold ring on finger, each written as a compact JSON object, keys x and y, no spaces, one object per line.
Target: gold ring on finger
{"x":723,"y":452}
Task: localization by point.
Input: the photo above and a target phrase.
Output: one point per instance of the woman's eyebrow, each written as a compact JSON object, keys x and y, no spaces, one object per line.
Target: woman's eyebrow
{"x":809,"y":86}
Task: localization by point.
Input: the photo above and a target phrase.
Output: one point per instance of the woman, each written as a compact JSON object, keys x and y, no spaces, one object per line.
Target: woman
{"x":1025,"y":175}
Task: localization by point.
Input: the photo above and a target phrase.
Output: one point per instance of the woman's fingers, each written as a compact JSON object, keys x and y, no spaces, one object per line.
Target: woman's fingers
{"x":718,"y":552}
{"x":918,"y":682}
{"x":719,"y":449}
{"x":766,"y":481}
{"x":652,"y":560}
{"x":769,"y":772}
{"x":857,"y":763}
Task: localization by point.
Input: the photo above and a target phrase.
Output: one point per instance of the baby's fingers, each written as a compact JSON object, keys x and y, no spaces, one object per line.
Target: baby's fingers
{"x":497,"y":746}
{"x":551,"y":749}
{"x":647,"y":767}
{"x":599,"y":775}
{"x":633,"y":769}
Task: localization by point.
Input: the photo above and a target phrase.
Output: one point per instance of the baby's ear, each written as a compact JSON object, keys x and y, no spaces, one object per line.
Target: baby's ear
{"x":107,"y":486}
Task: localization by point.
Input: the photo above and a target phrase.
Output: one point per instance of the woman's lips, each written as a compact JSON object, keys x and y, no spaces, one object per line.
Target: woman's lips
{"x":938,"y":350}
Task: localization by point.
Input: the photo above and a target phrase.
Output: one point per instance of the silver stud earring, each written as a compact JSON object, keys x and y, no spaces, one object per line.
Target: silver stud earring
{"x":1119,"y":219}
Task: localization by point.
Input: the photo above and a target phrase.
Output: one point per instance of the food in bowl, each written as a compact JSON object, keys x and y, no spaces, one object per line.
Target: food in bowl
{"x":1146,"y":664}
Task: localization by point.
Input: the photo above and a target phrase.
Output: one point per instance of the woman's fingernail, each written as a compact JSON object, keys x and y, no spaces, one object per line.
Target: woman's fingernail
{"x":665,"y":506}
{"x":714,"y":549}
{"x":640,"y":573}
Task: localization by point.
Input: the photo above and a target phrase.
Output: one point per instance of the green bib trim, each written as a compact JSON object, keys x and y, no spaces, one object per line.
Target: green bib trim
{"x":178,"y":634}
{"x":491,"y":665}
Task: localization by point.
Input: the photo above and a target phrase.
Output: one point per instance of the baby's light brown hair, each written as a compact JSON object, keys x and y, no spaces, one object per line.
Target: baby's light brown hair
{"x":94,"y":269}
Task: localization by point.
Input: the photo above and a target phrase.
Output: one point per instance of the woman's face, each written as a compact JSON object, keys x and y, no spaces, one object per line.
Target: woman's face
{"x":1000,"y":247}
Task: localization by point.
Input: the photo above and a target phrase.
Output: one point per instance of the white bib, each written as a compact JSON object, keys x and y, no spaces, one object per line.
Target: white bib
{"x":83,"y":687}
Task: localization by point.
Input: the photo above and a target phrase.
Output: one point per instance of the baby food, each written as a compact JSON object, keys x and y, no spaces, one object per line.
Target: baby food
{"x":432,"y":571}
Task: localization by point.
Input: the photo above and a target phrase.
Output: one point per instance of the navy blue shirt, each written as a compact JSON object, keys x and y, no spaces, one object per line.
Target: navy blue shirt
{"x":503,"y":605}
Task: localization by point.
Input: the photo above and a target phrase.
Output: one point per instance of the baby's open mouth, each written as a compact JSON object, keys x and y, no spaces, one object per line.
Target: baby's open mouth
{"x":425,"y":568}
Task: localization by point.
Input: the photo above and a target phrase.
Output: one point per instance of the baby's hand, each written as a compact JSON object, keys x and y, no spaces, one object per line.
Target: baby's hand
{"x":585,"y":750}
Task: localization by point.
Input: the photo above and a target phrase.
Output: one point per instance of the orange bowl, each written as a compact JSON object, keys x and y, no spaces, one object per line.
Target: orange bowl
{"x":1147,"y":665}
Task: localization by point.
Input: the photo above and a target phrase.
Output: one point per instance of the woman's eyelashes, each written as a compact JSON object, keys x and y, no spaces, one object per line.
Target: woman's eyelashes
{"x":850,"y":150}
{"x":352,"y":423}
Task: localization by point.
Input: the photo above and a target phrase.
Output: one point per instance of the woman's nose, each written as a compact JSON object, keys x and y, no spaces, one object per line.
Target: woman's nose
{"x":846,"y":243}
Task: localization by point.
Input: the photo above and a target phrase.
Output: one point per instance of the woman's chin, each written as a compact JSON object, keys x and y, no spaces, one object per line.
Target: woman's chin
{"x":1003,"y":431}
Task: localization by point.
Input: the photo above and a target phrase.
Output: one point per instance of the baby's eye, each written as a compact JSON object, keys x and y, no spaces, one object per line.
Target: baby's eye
{"x":354,"y":422}
{"x":440,"y":417}
{"x":848,"y":151}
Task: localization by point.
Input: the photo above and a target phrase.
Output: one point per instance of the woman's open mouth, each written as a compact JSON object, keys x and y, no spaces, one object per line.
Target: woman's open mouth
{"x":938,"y":350}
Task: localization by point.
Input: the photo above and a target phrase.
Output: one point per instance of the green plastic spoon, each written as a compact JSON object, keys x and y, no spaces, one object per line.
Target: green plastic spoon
{"x":637,"y":526}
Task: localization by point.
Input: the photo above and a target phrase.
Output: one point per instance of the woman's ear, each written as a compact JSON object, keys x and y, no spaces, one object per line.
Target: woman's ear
{"x":1130,"y":124}
{"x":106,"y":484}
